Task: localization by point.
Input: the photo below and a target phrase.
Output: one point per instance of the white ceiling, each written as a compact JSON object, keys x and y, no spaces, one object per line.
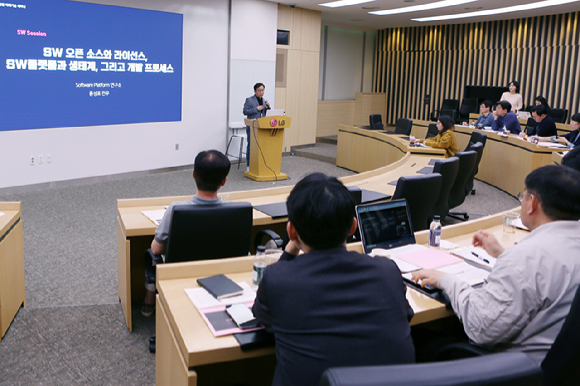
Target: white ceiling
{"x":356,"y":17}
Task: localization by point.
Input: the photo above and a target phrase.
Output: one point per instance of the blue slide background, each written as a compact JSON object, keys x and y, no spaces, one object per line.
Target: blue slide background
{"x":32,"y":99}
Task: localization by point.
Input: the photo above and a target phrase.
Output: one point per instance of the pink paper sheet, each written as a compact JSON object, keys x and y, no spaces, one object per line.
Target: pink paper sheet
{"x":430,"y":258}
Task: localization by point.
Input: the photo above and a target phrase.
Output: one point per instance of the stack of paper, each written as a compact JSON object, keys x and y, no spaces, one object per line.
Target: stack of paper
{"x":477,"y":255}
{"x":154,"y":215}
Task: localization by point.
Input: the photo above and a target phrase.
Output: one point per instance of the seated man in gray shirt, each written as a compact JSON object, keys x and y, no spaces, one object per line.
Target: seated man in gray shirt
{"x":528,"y":294}
{"x":210,"y":171}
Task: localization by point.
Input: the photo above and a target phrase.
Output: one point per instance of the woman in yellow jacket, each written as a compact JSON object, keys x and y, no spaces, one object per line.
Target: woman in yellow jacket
{"x":446,"y":137}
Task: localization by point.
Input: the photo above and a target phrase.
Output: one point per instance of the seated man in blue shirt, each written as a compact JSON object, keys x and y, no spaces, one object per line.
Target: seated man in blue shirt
{"x":210,"y":172}
{"x":330,"y":307}
{"x":503,"y":117}
{"x":486,"y":117}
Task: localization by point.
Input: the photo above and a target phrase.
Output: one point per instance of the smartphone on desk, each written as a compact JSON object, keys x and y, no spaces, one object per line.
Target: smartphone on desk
{"x":242,"y":316}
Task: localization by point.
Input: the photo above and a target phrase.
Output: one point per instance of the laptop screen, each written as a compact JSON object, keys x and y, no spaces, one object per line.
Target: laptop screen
{"x":385,"y":225}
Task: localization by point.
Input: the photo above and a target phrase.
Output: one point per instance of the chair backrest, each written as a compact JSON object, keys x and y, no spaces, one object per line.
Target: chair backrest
{"x":561,"y":365}
{"x":403,"y":126}
{"x":468,"y":106}
{"x":432,"y":131}
{"x":205,"y":232}
{"x":376,"y":122}
{"x":504,"y":369}
{"x":477,"y":136}
{"x":478,"y":148}
{"x":449,"y":104}
{"x":558,"y":115}
{"x":467,"y":160}
{"x":449,"y":113}
{"x":421,"y":193}
{"x":448,"y":169}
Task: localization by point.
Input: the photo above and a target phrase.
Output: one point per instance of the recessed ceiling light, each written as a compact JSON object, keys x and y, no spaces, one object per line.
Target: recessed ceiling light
{"x":344,"y":3}
{"x":424,"y":7}
{"x":487,"y":12}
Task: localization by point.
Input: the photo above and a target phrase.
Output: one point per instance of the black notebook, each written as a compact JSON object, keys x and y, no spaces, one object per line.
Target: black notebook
{"x":220,"y":286}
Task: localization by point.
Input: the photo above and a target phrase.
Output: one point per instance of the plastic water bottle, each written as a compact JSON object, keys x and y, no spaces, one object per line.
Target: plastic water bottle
{"x":259,"y":265}
{"x":435,"y":232}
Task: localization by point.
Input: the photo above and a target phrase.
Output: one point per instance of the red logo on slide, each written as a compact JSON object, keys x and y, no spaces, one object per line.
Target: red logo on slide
{"x":273,"y":122}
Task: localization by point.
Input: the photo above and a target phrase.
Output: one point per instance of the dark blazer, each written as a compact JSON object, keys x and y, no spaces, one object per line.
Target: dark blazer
{"x":573,"y":137}
{"x":251,"y":108}
{"x":332,"y":308}
{"x":546,"y":128}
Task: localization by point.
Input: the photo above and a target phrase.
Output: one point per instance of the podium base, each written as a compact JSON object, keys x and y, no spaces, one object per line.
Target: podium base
{"x":270,"y":177}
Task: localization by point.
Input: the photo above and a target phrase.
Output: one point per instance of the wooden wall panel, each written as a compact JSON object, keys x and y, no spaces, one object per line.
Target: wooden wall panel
{"x":331,"y":114}
{"x":300,"y":95}
{"x":542,"y":53}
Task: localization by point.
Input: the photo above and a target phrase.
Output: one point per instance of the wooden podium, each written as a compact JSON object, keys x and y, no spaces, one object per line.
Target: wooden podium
{"x":266,"y":139}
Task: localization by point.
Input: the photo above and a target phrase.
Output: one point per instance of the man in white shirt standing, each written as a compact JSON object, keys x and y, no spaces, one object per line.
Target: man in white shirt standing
{"x":527,"y":297}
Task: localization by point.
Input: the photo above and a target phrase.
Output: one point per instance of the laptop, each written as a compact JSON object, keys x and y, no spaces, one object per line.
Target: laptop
{"x":273,"y":112}
{"x":385,"y":225}
{"x":524,"y":115}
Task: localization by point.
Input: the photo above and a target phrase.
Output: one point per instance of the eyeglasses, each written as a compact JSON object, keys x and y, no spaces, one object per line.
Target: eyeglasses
{"x":521,"y":196}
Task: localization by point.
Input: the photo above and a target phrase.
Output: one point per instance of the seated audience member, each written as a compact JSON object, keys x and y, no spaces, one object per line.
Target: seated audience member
{"x":572,"y":139}
{"x":330,"y":307}
{"x":540,"y":100}
{"x":527,"y":296}
{"x":546,"y":127}
{"x":210,"y":173}
{"x":572,"y":159}
{"x":486,"y":117}
{"x":513,"y":96}
{"x":504,"y":117}
{"x":445,"y":139}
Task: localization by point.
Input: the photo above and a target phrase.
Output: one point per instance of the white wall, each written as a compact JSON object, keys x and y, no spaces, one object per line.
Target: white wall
{"x":103,"y":150}
{"x":253,"y":52}
{"x":346,"y":63}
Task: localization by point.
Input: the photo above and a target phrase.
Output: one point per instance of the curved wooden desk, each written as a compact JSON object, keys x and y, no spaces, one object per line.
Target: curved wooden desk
{"x":185,"y":343}
{"x":12,"y":291}
{"x":506,"y":161}
{"x":362,"y":150}
{"x":135,"y":231}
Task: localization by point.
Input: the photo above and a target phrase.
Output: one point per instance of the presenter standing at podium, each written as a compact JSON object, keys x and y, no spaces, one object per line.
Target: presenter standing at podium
{"x":255,"y":107}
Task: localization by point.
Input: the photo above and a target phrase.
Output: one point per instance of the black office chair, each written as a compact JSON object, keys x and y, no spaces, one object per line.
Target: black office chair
{"x":467,"y":160}
{"x":558,"y":115}
{"x":376,"y":122}
{"x":561,"y":365}
{"x":403,"y":126}
{"x":477,"y":136}
{"x":449,"y":113}
{"x":204,"y":232}
{"x":468,"y":106}
{"x":530,"y":128}
{"x":421,"y":193}
{"x":504,"y":369}
{"x":448,"y":104}
{"x":432,"y":131}
{"x":207,"y":232}
{"x":448,"y":169}
{"x":478,"y":147}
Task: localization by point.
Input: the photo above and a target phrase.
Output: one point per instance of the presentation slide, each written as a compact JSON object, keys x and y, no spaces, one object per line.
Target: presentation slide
{"x":68,"y":64}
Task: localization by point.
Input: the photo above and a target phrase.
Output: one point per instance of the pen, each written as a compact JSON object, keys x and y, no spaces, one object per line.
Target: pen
{"x":414,"y":164}
{"x":479,"y":257}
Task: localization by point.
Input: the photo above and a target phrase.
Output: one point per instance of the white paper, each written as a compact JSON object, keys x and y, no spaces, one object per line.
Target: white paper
{"x":466,"y":272}
{"x":444,"y":244}
{"x":154,"y":215}
{"x":468,"y":254}
{"x":202,"y":299}
{"x":1,"y":214}
{"x":518,"y":224}
{"x":404,"y":266}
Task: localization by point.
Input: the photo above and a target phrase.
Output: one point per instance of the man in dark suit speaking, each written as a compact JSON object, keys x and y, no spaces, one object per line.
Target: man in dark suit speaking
{"x":255,"y":107}
{"x":330,"y":307}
